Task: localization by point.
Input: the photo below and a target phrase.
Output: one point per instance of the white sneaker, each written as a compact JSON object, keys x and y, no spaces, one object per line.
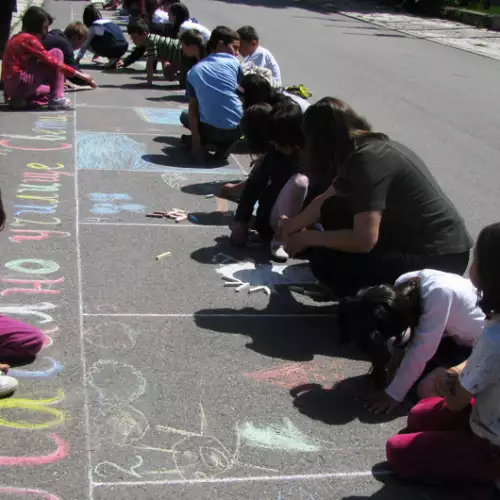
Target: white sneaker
{"x":279,"y":253}
{"x":60,"y":103}
{"x":8,"y":384}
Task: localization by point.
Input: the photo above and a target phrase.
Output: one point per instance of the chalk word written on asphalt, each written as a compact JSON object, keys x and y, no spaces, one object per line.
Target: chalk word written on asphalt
{"x":31,"y":274}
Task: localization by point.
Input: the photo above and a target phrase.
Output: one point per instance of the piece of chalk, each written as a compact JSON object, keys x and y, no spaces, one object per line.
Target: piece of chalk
{"x":256,"y":289}
{"x":232,"y":284}
{"x":163,"y":255}
{"x":242,"y":287}
{"x":155,"y":216}
{"x":211,"y":195}
{"x":159,"y":213}
{"x":179,"y":210}
{"x":193,"y":218}
{"x":180,"y":218}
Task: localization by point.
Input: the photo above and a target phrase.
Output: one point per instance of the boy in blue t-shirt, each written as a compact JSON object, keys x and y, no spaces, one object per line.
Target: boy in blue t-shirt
{"x":215,"y":110}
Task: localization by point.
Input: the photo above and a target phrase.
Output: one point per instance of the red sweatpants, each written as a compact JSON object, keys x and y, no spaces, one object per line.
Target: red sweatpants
{"x":439,"y":448}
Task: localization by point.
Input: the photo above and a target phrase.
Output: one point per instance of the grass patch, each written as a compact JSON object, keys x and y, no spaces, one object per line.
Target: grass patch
{"x":493,"y":10}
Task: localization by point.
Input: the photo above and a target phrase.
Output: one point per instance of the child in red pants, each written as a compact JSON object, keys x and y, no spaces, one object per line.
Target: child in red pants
{"x":455,"y":439}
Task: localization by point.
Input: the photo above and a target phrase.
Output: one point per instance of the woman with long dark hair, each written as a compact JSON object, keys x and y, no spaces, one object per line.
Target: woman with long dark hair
{"x":382,"y":211}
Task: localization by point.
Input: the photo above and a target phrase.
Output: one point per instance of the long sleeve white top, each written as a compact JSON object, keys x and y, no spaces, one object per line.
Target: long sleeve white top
{"x":449,"y":308}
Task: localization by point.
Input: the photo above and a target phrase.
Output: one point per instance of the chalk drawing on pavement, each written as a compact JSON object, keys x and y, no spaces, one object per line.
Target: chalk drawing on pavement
{"x":119,"y":152}
{"x":110,"y":204}
{"x":278,"y":437}
{"x":116,"y":382}
{"x":160,"y":116}
{"x":266,"y":275}
{"x":291,"y":375}
{"x":111,"y":335}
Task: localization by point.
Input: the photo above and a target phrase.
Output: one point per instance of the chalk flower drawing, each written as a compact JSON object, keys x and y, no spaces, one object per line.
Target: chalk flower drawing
{"x":115,"y":381}
{"x":284,"y":437}
{"x":266,"y":275}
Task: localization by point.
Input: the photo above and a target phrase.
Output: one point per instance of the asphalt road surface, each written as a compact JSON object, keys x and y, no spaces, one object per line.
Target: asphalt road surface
{"x":157,"y":382}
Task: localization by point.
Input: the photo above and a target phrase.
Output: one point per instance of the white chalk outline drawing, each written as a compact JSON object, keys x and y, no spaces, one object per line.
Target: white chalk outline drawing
{"x":259,"y":277}
{"x":112,"y":330}
{"x":173,"y":180}
{"x":197,"y":455}
{"x":122,"y":425}
{"x":98,"y":368}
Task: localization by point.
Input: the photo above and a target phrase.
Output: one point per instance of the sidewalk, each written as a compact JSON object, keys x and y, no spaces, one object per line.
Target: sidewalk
{"x":454,"y":34}
{"x":22,"y":6}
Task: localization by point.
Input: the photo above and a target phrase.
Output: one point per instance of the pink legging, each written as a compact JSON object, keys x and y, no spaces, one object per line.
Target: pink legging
{"x":19,"y":341}
{"x":39,"y":83}
{"x":438,"y":447}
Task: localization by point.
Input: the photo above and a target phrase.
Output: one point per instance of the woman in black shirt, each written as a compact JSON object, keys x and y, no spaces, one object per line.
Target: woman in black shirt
{"x":382,"y":211}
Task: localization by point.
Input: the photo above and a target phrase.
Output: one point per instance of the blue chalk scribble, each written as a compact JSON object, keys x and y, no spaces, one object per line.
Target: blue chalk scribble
{"x":108,"y":151}
{"x":113,"y":208}
{"x":106,"y":197}
{"x":53,"y":370}
{"x":160,"y":116}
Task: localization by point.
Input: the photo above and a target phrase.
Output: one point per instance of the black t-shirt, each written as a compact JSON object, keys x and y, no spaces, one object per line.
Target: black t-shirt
{"x":417,"y":217}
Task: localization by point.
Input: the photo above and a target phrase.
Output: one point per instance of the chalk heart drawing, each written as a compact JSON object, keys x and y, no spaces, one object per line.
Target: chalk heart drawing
{"x":121,"y":426}
{"x":116,"y":382}
{"x":269,"y":275}
{"x":196,"y":455}
{"x":278,"y":437}
{"x":175,"y":181}
{"x":111,"y":335}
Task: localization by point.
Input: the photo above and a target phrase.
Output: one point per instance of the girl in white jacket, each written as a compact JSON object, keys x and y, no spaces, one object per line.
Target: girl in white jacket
{"x":427,"y":321}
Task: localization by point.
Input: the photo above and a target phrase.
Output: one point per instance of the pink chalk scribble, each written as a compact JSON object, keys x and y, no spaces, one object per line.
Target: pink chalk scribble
{"x":60,"y":454}
{"x":290,"y":375}
{"x":43,"y":495}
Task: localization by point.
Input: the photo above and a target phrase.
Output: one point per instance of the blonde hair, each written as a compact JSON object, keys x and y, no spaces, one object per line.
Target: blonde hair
{"x":76,"y":30}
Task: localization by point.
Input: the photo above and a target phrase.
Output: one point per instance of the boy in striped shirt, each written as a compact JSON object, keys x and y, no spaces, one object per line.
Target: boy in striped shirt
{"x":156,"y":48}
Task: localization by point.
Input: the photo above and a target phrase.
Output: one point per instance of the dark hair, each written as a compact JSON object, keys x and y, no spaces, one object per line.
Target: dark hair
{"x":255,"y":127}
{"x":331,"y":127}
{"x":256,"y":89}
{"x":377,"y":314}
{"x":487,"y":255}
{"x":3,"y":217}
{"x":50,"y":18}
{"x":181,"y":13}
{"x":221,"y":34}
{"x":194,"y":37}
{"x":286,"y":126}
{"x":137,"y":27}
{"x":33,"y":20}
{"x":91,"y":15}
{"x":248,"y":34}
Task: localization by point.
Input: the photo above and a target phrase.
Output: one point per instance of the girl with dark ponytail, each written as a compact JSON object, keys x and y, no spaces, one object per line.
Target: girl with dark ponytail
{"x":412,"y":331}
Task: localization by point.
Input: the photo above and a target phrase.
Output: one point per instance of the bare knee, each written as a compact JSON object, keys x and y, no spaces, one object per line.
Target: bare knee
{"x":301,"y":182}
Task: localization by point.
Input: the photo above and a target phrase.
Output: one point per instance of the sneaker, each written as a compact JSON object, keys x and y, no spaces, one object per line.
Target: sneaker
{"x":279,"y":253}
{"x":8,"y":384}
{"x":60,"y":103}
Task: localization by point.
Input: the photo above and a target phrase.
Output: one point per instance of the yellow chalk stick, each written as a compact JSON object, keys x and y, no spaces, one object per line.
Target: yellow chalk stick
{"x":163,"y":255}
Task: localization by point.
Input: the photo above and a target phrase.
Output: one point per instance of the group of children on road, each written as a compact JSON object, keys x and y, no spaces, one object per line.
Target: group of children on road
{"x":365,"y":211}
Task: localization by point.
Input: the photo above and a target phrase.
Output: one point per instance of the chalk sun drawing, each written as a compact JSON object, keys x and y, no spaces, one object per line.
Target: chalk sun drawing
{"x":111,"y":335}
{"x":116,"y":382}
{"x":196,"y":455}
{"x":108,"y":151}
{"x":266,"y":275}
{"x":279,"y":437}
